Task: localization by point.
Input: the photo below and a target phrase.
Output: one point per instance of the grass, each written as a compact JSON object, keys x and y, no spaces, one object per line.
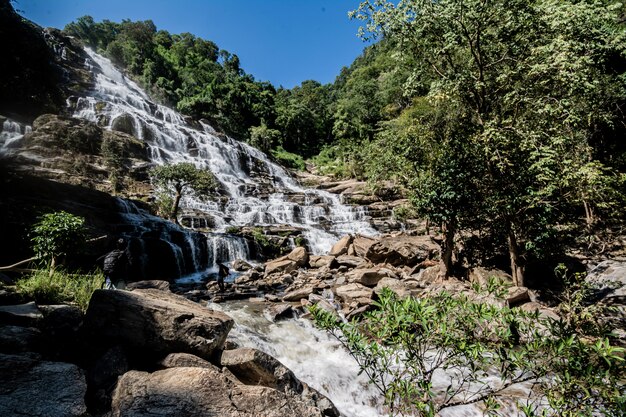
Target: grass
{"x":60,"y":287}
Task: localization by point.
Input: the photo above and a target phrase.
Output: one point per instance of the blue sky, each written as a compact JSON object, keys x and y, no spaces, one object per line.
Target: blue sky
{"x":281,"y":41}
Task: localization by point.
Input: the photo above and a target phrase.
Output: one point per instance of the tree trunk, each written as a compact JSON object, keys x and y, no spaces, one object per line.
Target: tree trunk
{"x":175,"y":206}
{"x":517,"y":267}
{"x":447,"y":247}
{"x":589,"y":217}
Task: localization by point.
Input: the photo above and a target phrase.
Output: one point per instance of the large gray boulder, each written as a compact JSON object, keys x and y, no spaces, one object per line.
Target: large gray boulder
{"x":341,"y":247}
{"x":153,"y":323}
{"x":203,"y":392}
{"x":30,"y":387}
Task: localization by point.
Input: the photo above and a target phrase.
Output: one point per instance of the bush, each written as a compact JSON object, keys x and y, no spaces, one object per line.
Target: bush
{"x":288,"y":159}
{"x":55,"y":287}
{"x":406,"y":346}
{"x":57,"y":234}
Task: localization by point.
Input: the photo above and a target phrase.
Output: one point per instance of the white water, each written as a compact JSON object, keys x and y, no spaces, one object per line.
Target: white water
{"x":11,"y":133}
{"x":258,"y":190}
{"x":313,"y":356}
{"x":318,"y":359}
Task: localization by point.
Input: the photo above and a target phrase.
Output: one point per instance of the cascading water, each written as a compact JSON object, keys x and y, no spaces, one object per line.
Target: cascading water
{"x":260,"y":193}
{"x":11,"y":133}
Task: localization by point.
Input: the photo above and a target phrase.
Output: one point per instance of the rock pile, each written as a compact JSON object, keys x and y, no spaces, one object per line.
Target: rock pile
{"x":141,"y":353}
{"x":353,"y":273}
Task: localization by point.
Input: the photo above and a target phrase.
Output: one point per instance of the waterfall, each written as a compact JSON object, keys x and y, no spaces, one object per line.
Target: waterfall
{"x":11,"y":133}
{"x":259,"y":192}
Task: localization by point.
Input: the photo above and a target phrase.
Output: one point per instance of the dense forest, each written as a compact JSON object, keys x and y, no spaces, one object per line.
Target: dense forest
{"x":503,"y":122}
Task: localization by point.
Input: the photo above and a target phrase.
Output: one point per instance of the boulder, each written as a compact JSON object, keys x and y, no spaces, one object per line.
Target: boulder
{"x":395,"y":285}
{"x":297,"y":295}
{"x":341,"y":247}
{"x":102,"y":376}
{"x":402,"y":250}
{"x":21,"y":314}
{"x":17,"y":339}
{"x":316,"y":261}
{"x":276,"y":312}
{"x":482,"y":276}
{"x":362,"y":244}
{"x":353,"y":291}
{"x":300,"y":256}
{"x":185,"y":360}
{"x":369,"y":277}
{"x":153,"y":323}
{"x":155,"y":284}
{"x":285,"y":265}
{"x":241,"y":266}
{"x":30,"y":387}
{"x":202,"y":392}
{"x":254,"y":367}
{"x":349,"y":261}
{"x":516,"y":296}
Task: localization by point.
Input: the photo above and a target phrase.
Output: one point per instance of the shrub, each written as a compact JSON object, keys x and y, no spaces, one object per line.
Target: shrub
{"x":57,"y":234}
{"x":55,"y":287}
{"x":288,"y":159}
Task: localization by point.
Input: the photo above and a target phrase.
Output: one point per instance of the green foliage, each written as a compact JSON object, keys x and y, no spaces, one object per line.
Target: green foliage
{"x":405,"y":345}
{"x":509,"y":99}
{"x":180,"y":179}
{"x":57,"y":234}
{"x":288,"y":159}
{"x":264,"y":138}
{"x":56,"y":287}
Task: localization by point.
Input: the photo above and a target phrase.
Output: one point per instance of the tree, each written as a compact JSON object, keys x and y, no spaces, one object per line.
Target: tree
{"x":532,"y":81}
{"x":425,"y":355}
{"x":182,"y":179}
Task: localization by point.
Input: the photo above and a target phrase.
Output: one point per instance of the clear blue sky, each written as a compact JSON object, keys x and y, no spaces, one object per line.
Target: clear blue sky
{"x":281,"y":41}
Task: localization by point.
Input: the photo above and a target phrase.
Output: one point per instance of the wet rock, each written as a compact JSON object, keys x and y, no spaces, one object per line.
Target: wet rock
{"x":402,"y":250}
{"x":30,"y":387}
{"x":202,"y":392}
{"x":276,"y":312}
{"x":185,"y":360}
{"x":254,"y":367}
{"x":149,"y":284}
{"x":21,"y":314}
{"x":341,"y":247}
{"x":353,"y":291}
{"x":153,"y":323}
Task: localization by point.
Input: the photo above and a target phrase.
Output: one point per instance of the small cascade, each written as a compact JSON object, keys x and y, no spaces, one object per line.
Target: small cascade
{"x":11,"y":134}
{"x":313,"y":356}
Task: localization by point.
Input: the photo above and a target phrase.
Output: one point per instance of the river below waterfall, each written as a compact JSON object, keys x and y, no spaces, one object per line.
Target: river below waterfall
{"x":316,"y":358}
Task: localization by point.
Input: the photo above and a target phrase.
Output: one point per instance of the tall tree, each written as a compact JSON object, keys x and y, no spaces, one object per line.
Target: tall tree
{"x":529,"y":91}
